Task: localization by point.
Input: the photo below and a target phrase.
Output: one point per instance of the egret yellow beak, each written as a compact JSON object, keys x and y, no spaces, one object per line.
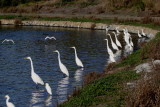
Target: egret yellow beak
{"x":72,"y":47}
{"x":25,"y":58}
{"x":55,"y":51}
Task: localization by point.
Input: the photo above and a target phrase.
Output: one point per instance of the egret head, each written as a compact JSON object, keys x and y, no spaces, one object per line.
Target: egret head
{"x":108,"y":34}
{"x":7,"y":96}
{"x":113,"y":32}
{"x":27,"y":57}
{"x":106,"y":39}
{"x":72,"y":47}
{"x":56,"y":51}
{"x":46,"y":84}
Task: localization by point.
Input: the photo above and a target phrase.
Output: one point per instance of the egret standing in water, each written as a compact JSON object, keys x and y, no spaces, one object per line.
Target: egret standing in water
{"x":117,"y":41}
{"x":139,"y":35}
{"x":143,"y":34}
{"x":48,"y":88}
{"x":117,"y":31}
{"x":9,"y":104}
{"x":35,"y":77}
{"x":113,"y":44}
{"x":110,"y":52}
{"x":61,"y":65}
{"x":78,"y":61}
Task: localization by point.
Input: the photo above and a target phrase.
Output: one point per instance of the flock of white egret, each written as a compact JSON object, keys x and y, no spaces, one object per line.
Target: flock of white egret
{"x":117,"y":46}
{"x":36,"y":78}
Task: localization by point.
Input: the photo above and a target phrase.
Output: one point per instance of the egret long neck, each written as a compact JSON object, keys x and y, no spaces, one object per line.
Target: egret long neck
{"x":75,"y":53}
{"x":107,"y":44}
{"x":110,"y":38}
{"x":32,"y":69}
{"x":59,"y":60}
{"x":115,"y":36}
{"x":7,"y":100}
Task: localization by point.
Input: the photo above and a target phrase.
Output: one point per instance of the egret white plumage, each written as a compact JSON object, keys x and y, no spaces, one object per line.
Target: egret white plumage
{"x":126,"y":36}
{"x":108,"y":49}
{"x":107,"y":29}
{"x":9,"y":104}
{"x":35,"y":77}
{"x":131,"y":41}
{"x":61,"y":65}
{"x":113,"y":44}
{"x":117,"y":41}
{"x":111,"y":59}
{"x":8,"y":40}
{"x":139,"y":35}
{"x":78,"y":61}
{"x":117,"y":31}
{"x":143,"y":34}
{"x":48,"y":88}
{"x":50,"y":38}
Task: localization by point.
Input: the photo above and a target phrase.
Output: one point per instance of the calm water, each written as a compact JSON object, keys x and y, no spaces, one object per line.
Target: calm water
{"x":15,"y":77}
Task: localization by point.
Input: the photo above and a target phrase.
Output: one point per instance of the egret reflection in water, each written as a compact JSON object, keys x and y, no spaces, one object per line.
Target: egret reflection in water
{"x":62,"y":89}
{"x":48,"y":101}
{"x":79,"y":75}
{"x":37,"y":99}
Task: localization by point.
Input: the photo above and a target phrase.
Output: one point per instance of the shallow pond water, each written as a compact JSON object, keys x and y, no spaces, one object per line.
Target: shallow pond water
{"x":15,"y":71}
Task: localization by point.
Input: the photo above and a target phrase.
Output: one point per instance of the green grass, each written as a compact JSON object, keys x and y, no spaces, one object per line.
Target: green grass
{"x":131,"y":60}
{"x":106,"y":91}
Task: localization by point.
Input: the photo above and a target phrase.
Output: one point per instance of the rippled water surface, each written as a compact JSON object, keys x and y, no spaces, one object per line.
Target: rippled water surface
{"x":15,"y":72}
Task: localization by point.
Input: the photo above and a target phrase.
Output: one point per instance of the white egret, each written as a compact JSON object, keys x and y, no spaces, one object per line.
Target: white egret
{"x":50,"y":38}
{"x":117,"y":41}
{"x":78,"y":61}
{"x":107,"y":29}
{"x":111,"y":59}
{"x":48,"y":88}
{"x":117,"y":31}
{"x":126,"y":36}
{"x":35,"y":77}
{"x":108,"y":49}
{"x":143,"y":34}
{"x":131,"y":41}
{"x":9,"y":104}
{"x":139,"y":35}
{"x":8,"y":40}
{"x":113,"y":44}
{"x":61,"y":65}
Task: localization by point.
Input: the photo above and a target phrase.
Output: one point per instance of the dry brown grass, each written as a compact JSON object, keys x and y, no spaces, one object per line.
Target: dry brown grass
{"x":147,"y":91}
{"x":151,"y":50}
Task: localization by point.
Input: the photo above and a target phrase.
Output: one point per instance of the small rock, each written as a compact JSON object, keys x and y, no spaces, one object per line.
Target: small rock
{"x":145,"y":67}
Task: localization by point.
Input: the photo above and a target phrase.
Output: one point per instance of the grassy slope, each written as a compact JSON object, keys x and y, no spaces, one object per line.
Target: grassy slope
{"x":110,"y":90}
{"x":105,"y":91}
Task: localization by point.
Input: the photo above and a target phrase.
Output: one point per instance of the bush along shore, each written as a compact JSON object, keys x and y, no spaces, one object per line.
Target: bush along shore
{"x":120,"y":84}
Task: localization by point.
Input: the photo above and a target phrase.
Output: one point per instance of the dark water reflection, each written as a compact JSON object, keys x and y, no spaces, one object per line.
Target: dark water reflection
{"x":15,"y":71}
